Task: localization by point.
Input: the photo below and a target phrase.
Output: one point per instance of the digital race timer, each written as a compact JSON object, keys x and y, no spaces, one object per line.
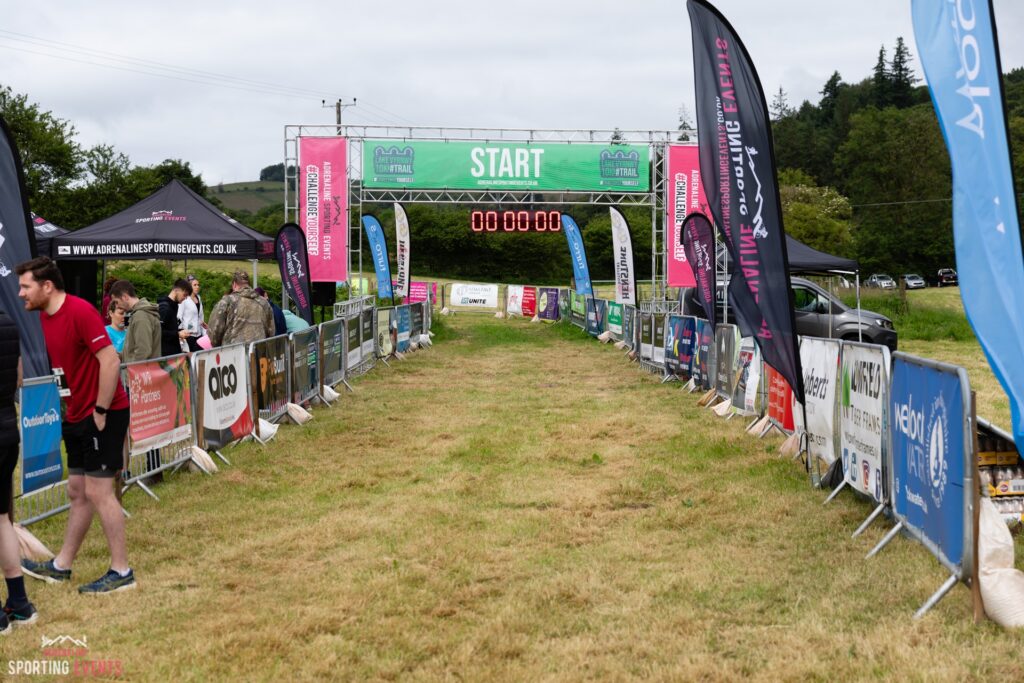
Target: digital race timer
{"x":516,"y":221}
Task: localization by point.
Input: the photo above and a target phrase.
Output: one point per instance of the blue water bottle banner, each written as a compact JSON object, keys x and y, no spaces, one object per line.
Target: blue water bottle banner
{"x":40,"y":435}
{"x":930,"y":455}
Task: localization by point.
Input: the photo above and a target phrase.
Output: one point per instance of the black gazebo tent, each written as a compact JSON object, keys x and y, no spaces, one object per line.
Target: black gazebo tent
{"x":804,"y":259}
{"x":172,"y":223}
{"x":45,"y":232}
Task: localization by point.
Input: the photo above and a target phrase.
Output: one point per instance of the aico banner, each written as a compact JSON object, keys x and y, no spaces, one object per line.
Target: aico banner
{"x":746,"y":397}
{"x":615,"y":319}
{"x":294,"y":266}
{"x":683,"y":196}
{"x":529,"y":302}
{"x":355,"y":349}
{"x":956,"y":43}
{"x":578,"y":256}
{"x":227,"y":415}
{"x":161,"y":403}
{"x":780,"y":400}
{"x":305,"y":370}
{"x":385,"y":345}
{"x":622,"y":250}
{"x":862,"y":402}
{"x":465,"y":295}
{"x":519,"y":166}
{"x":679,"y":344}
{"x":40,"y":424}
{"x":403,"y":251}
{"x":596,"y":310}
{"x":727,"y":341}
{"x":548,"y":308}
{"x":931,"y":452}
{"x":404,"y":328}
{"x":820,"y":361}
{"x":379,"y":253}
{"x":323,"y":206}
{"x":514,"y":300}
{"x":272,"y":384}
{"x":703,"y":366}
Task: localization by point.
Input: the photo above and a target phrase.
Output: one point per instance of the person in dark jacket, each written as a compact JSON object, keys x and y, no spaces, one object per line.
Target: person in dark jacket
{"x":17,"y":611}
{"x":280,"y":324}
{"x":171,"y":334}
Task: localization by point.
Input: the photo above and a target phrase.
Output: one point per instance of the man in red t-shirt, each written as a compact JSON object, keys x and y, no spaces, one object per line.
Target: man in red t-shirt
{"x":95,"y":422}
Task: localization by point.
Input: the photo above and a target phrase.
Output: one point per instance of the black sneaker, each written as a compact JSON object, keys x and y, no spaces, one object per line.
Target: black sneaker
{"x":110,"y":582}
{"x":45,"y":571}
{"x":5,"y":624}
{"x":22,"y":616}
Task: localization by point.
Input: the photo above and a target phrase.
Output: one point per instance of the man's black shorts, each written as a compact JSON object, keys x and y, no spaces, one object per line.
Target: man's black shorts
{"x":8,"y":459}
{"x":92,"y":452}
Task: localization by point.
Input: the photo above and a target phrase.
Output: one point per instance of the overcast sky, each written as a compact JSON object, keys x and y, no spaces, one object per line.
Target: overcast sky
{"x":533,"y":63}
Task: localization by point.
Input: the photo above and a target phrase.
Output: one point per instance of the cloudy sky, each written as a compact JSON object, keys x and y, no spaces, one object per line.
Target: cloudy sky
{"x":215,"y":82}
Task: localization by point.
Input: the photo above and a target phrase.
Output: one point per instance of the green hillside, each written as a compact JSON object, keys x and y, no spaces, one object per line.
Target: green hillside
{"x":249,"y":196}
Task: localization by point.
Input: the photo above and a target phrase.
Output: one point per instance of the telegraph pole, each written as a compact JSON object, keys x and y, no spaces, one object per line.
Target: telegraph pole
{"x":338,"y":106}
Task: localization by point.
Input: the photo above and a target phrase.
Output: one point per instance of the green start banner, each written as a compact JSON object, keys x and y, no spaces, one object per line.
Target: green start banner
{"x":576,"y":167}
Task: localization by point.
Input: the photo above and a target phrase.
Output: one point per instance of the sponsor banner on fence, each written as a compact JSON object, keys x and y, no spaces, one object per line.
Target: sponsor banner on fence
{"x":272,"y":385}
{"x":419,"y":291}
{"x":227,"y":415}
{"x":596,"y":310}
{"x":646,"y":336}
{"x":526,"y":166}
{"x":864,"y":396}
{"x":820,"y":361}
{"x":658,"y":343}
{"x":366,"y":333}
{"x":780,"y":400}
{"x":355,"y":349}
{"x":727,"y":338}
{"x":404,"y":327}
{"x":679,"y":340}
{"x":629,"y":326}
{"x":683,"y":196}
{"x":385,"y":345}
{"x":578,"y":309}
{"x":332,"y":362}
{"x":746,"y":398}
{"x":323,"y":205}
{"x":929,"y":408}
{"x":466,"y":295}
{"x":514,"y":300}
{"x":615,"y":319}
{"x":529,"y":302}
{"x":305,"y":370}
{"x":415,"y":321}
{"x":40,"y":423}
{"x":548,"y":305}
{"x":703,"y":366}
{"x":161,"y":403}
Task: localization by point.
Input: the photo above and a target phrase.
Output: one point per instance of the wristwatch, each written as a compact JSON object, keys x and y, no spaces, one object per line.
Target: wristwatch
{"x":99,"y":410}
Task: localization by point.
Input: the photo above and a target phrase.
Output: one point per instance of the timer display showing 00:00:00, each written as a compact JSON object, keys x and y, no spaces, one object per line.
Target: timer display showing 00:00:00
{"x":516,"y":221}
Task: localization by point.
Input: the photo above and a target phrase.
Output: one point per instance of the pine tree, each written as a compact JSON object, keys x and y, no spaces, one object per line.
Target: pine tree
{"x":780,"y":108}
{"x":882,"y":82}
{"x":901,"y":76}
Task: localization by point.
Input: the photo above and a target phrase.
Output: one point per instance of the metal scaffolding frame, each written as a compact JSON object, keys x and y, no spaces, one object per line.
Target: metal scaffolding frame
{"x":359,"y":195}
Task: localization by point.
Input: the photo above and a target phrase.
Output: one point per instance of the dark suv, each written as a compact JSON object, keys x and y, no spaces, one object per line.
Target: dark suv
{"x":819,"y":314}
{"x":947,"y":277}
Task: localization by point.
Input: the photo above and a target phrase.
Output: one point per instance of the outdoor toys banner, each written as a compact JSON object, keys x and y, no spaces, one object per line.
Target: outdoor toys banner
{"x":403,"y":251}
{"x":596,"y":310}
{"x":703,"y":366}
{"x":931,"y":456}
{"x":622,"y":248}
{"x":290,"y":248}
{"x":862,"y":403}
{"x":355,"y":349}
{"x":683,"y":196}
{"x":615,"y":319}
{"x":548,"y":309}
{"x":465,"y":295}
{"x":272,"y":366}
{"x":385,"y":346}
{"x":820,"y":361}
{"x":746,"y":398}
{"x":379,"y":252}
{"x":305,"y":371}
{"x":222,"y":374}
{"x":737,"y":163}
{"x":514,"y":300}
{"x":629,"y":326}
{"x":41,"y":463}
{"x":323,"y":206}
{"x":161,"y":403}
{"x":404,"y":327}
{"x":332,"y":341}
{"x":17,"y":245}
{"x":699,"y":243}
{"x":578,"y":309}
{"x":679,"y":344}
{"x":529,"y":302}
{"x":578,"y":255}
{"x":780,"y":400}
{"x":646,"y":336}
{"x":366,"y":333}
{"x":658,"y":343}
{"x":521,"y":166}
{"x":956,"y":43}
{"x":727,"y":340}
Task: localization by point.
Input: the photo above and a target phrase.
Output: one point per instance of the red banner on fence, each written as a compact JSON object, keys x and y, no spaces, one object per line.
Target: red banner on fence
{"x":780,"y":400}
{"x":323,"y":206}
{"x":160,"y":403}
{"x":529,"y":302}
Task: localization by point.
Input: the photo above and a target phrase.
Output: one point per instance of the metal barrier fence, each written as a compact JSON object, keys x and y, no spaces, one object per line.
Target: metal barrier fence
{"x":332,"y":353}
{"x":272,"y":376}
{"x":304,"y":350}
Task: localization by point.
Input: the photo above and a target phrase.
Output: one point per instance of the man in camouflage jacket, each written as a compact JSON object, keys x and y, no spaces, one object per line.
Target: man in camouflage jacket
{"x":242,"y":316}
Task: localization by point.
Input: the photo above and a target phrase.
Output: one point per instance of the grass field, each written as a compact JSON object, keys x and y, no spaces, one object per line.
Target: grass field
{"x":517,"y":503}
{"x":249,"y":196}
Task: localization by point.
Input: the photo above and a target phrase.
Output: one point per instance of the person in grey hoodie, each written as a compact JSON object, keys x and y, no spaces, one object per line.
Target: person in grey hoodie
{"x":142,"y":340}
